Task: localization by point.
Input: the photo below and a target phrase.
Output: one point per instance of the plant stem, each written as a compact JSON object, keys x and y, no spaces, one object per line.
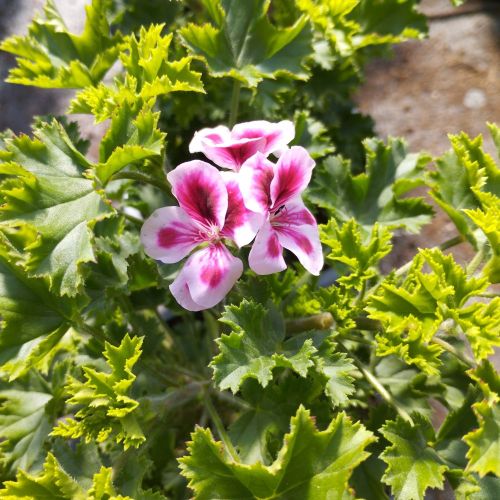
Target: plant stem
{"x":452,"y":242}
{"x":377,"y":385}
{"x":216,"y":420}
{"x":235,"y":102}
{"x":476,"y":261}
{"x":455,"y":352}
{"x":322,"y":321}
{"x":146,"y":179}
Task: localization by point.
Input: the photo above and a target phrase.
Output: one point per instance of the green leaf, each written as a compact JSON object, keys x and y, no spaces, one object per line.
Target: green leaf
{"x":484,"y":442}
{"x":311,"y":464}
{"x":412,"y":312}
{"x":312,"y":135}
{"x":33,"y":321}
{"x":461,"y":175}
{"x":268,"y":417}
{"x":375,"y":196}
{"x":24,"y":426}
{"x":55,"y":483}
{"x":255,"y":347}
{"x":52,"y":483}
{"x":50,"y":56}
{"x":487,"y":219}
{"x":106,"y":409}
{"x":129,"y":140}
{"x":359,"y":252}
{"x":244,"y":45}
{"x":149,"y":74}
{"x":395,"y":19}
{"x":337,"y":370}
{"x":51,"y":195}
{"x":412,"y":465}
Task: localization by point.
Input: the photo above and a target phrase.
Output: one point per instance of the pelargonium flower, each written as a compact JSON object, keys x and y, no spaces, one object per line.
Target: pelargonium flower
{"x":231,"y":148}
{"x":211,"y":210}
{"x":274,"y":190}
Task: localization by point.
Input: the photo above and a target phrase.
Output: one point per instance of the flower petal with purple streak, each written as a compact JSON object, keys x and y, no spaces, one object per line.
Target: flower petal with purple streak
{"x":292,"y":174}
{"x":209,"y":274}
{"x":169,"y":234}
{"x":266,"y":255}
{"x":241,"y":224}
{"x":255,"y":179}
{"x":201,"y":192}
{"x":297,"y":231}
{"x":230,"y":149}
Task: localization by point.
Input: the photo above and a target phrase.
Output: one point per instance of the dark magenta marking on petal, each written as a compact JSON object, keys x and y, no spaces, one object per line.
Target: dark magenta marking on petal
{"x":198,"y":197}
{"x":273,"y":246}
{"x":168,"y":237}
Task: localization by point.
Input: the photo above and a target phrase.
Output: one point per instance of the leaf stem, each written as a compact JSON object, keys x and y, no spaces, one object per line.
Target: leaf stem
{"x":476,"y":261}
{"x":216,"y":420}
{"x":235,"y":102}
{"x":145,"y":179}
{"x":456,"y":240}
{"x":377,"y":385}
{"x":322,"y":321}
{"x":454,"y":351}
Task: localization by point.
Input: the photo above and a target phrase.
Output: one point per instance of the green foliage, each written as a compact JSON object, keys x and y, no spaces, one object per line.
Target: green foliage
{"x":255,"y":347}
{"x":298,"y":471}
{"x":149,"y":74}
{"x":359,"y":254}
{"x":374,"y":196}
{"x":24,"y":426}
{"x":412,"y":464}
{"x":103,"y":377}
{"x":52,"y":57}
{"x":244,"y":45}
{"x":412,"y":312}
{"x":106,"y":409}
{"x":51,"y":198}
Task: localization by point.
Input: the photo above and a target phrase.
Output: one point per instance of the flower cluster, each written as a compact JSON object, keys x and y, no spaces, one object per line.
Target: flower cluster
{"x":256,"y":199}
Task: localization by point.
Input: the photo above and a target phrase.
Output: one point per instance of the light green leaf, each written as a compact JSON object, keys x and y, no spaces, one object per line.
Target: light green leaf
{"x":411,"y":313}
{"x":375,"y":196}
{"x":52,"y":195}
{"x":244,"y":45}
{"x":484,"y":442}
{"x":52,"y":483}
{"x":312,"y":464}
{"x":359,"y":252}
{"x":24,"y":426}
{"x":52,"y":57}
{"x":412,"y":465}
{"x":255,"y":347}
{"x":106,"y":409}
{"x":149,"y":74}
{"x":461,"y":174}
{"x":129,"y":140}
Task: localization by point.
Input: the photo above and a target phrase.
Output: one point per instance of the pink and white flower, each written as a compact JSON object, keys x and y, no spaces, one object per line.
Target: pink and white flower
{"x":231,"y":148}
{"x":274,"y":190}
{"x":211,"y":209}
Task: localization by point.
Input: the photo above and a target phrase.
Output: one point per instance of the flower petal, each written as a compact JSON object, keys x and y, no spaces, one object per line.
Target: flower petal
{"x":292,"y":175}
{"x":169,"y":234}
{"x":218,"y":145}
{"x":210,"y":273}
{"x":182,"y":295}
{"x":210,"y":136}
{"x":266,"y":255}
{"x":201,"y":192}
{"x":298,"y":232}
{"x":241,"y":224}
{"x":255,"y":179}
{"x":277,"y":135}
